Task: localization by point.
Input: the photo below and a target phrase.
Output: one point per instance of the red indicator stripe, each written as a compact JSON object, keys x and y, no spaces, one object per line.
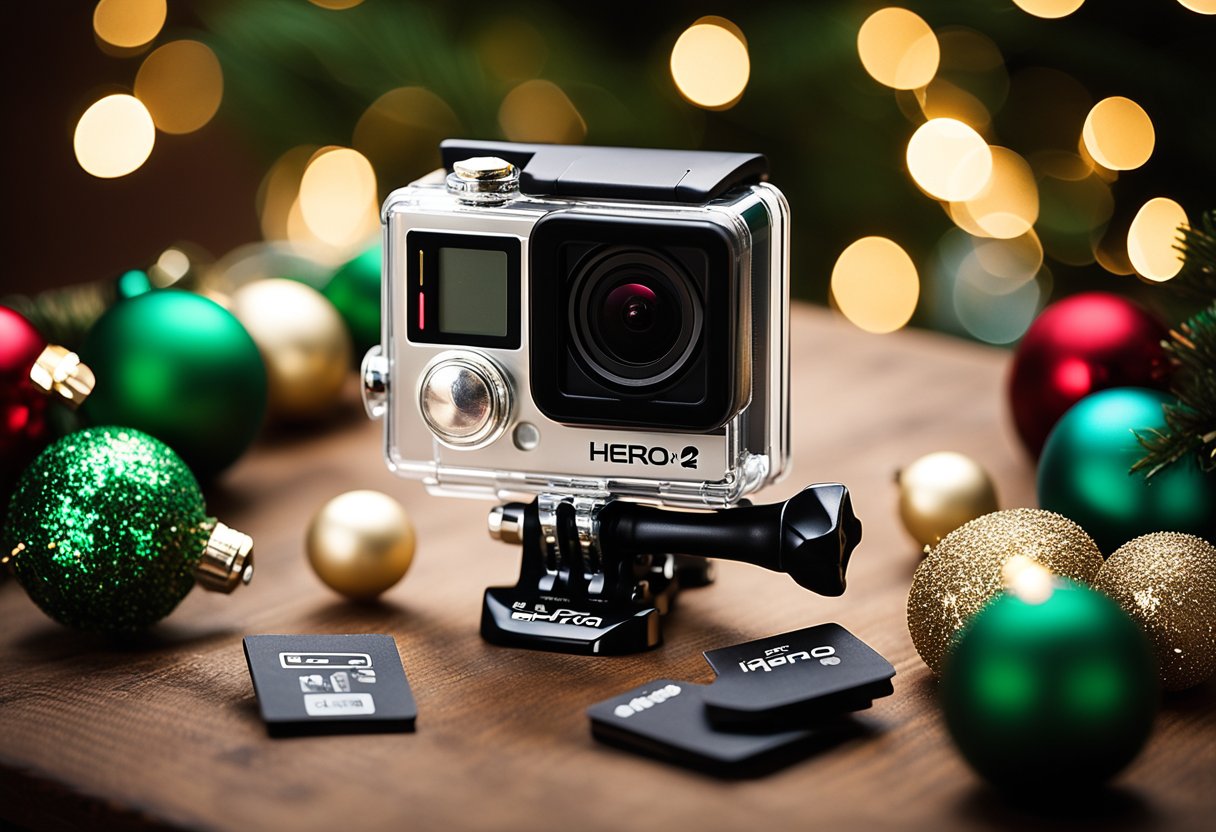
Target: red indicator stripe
{"x":421,"y":310}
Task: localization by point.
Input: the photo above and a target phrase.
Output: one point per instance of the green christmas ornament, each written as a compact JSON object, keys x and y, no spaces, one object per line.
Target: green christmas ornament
{"x":182,"y":368}
{"x":1085,"y":473}
{"x":355,"y":291}
{"x":1050,"y":688}
{"x":107,"y":531}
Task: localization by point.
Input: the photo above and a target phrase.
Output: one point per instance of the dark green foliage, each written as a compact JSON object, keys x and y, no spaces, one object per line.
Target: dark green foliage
{"x":1191,"y":422}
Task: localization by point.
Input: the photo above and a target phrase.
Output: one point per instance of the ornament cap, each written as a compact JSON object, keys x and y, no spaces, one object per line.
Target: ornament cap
{"x":60,"y":372}
{"x":227,"y":560}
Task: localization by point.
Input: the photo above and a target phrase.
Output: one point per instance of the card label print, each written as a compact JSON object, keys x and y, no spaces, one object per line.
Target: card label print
{"x":641,"y":703}
{"x":329,"y":689}
{"x":338,"y":704}
{"x":625,"y":454}
{"x":778,"y":656}
{"x":326,"y":660}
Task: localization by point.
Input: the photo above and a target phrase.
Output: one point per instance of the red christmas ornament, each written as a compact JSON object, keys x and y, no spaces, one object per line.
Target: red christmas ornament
{"x":1088,"y":342}
{"x":31,"y":374}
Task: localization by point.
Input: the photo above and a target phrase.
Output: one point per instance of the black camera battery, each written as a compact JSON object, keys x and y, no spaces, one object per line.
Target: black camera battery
{"x":795,"y":679}
{"x":666,"y":719}
{"x":316,"y":684}
{"x":776,"y":700}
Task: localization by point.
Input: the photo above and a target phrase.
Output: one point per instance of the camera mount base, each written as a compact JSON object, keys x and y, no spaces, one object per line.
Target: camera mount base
{"x":570,"y":598}
{"x":588,"y":583}
{"x":524,"y":617}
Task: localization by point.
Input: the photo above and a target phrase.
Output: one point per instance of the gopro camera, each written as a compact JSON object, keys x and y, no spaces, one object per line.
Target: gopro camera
{"x":594,"y":328}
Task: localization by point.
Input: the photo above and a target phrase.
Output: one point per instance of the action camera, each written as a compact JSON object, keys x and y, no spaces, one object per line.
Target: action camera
{"x":586,"y":327}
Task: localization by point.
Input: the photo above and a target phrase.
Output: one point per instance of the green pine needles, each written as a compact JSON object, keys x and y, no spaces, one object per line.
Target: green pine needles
{"x":1190,"y":422}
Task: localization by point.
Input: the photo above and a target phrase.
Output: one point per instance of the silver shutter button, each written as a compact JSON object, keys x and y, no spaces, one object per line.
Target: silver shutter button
{"x":464,"y":400}
{"x":483,"y":180}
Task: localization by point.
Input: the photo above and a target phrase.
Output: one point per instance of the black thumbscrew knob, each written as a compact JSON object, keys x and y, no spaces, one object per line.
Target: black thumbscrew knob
{"x":819,"y":531}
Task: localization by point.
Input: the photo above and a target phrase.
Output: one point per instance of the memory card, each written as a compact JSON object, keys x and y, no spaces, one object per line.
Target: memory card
{"x":309,"y":684}
{"x":794,"y":680}
{"x":666,"y":719}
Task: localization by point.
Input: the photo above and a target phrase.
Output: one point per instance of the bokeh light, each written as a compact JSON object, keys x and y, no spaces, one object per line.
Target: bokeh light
{"x":400,"y":133}
{"x":970,"y":85}
{"x":280,"y":189}
{"x":1200,"y":6}
{"x":1049,"y":8}
{"x":511,"y":49}
{"x":114,"y":136}
{"x":338,"y":197}
{"x":1110,"y":251}
{"x":1018,"y":258}
{"x":171,"y":266}
{"x":336,"y":5}
{"x":1152,"y":238}
{"x":128,"y":24}
{"x":1007,"y":206}
{"x":538,"y":111}
{"x":181,"y":84}
{"x":1118,"y":134}
{"x":898,"y":49}
{"x":875,"y":284}
{"x":949,"y":160}
{"x":1045,"y":110}
{"x":710,"y":65}
{"x":1074,"y":206}
{"x":988,"y":289}
{"x":945,"y":99}
{"x":993,"y":308}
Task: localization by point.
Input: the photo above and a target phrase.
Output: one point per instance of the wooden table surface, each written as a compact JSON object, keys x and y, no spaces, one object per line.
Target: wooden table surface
{"x":166,"y":731}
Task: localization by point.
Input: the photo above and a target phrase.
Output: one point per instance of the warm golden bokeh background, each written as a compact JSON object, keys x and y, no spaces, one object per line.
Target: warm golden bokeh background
{"x":950,"y":165}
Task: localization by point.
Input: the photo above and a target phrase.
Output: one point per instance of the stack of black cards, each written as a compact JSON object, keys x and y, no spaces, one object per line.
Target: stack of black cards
{"x":775,"y":700}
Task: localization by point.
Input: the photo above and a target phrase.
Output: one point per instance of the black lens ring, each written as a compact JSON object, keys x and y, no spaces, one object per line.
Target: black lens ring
{"x":599,"y":271}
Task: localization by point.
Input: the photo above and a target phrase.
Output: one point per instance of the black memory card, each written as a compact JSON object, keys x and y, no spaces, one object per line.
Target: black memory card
{"x":330,"y":683}
{"x":796,"y":679}
{"x":666,"y":719}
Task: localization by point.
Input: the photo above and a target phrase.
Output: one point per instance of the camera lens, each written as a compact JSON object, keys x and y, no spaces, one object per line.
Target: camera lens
{"x":634,"y":316}
{"x":636,"y":324}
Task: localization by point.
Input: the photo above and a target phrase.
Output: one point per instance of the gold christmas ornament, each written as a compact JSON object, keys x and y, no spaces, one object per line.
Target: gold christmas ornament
{"x":360,"y":543}
{"x":1166,"y":581}
{"x":967,"y":569}
{"x":302,"y":340}
{"x":940,"y":492}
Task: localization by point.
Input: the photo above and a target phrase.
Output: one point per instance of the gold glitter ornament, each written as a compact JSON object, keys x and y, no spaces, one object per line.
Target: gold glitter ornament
{"x":964,"y":571}
{"x":1166,"y":581}
{"x":940,"y":492}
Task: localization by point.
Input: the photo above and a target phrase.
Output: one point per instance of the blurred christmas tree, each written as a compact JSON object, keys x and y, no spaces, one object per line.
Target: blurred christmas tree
{"x":1191,"y":421}
{"x":1080,"y":116}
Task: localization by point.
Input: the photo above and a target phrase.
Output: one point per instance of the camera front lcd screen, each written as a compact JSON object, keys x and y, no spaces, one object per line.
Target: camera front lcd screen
{"x":472,"y":291}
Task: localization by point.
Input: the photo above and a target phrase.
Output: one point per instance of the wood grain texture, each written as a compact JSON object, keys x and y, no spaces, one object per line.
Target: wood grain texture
{"x":165,"y":731}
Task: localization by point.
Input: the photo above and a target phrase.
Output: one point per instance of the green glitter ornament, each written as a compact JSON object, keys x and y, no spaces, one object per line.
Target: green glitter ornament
{"x":107,"y":531}
{"x":1051,"y":688}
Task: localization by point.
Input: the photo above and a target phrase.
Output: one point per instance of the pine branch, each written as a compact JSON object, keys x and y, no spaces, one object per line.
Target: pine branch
{"x":64,"y":316}
{"x":1198,"y":246}
{"x":1190,"y":422}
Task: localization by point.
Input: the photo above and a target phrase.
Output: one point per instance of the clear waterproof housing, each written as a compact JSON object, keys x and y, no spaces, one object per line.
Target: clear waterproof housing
{"x":541,"y":337}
